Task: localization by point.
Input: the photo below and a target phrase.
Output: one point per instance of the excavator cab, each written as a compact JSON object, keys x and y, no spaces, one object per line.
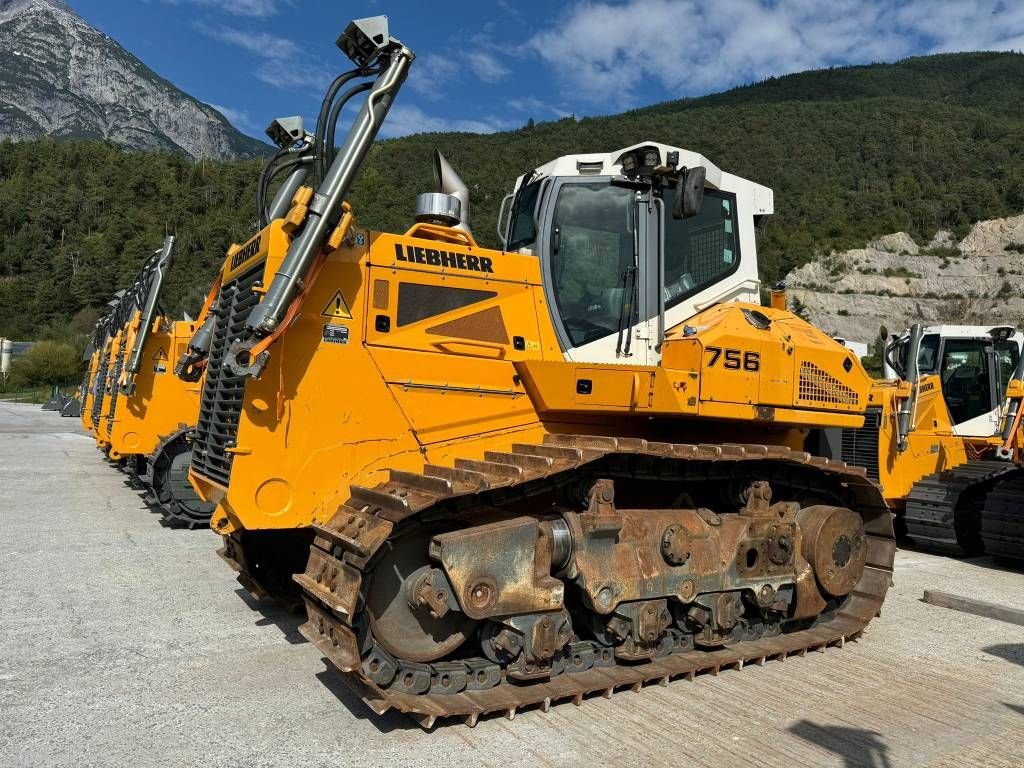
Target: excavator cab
{"x":633,"y":242}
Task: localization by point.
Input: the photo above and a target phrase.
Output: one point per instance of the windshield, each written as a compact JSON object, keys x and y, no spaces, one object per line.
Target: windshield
{"x":522,"y":230}
{"x":702,"y":249}
{"x":591,"y":258}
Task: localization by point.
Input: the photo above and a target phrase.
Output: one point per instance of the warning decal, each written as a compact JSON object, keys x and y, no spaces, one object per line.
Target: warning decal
{"x":161,"y":354}
{"x":337,"y":307}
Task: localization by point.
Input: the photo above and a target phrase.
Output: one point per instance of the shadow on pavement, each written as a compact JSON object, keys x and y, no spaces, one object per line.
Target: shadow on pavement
{"x":858,"y":747}
{"x":1018,"y":708}
{"x":1012,"y":652}
{"x":284,"y":618}
{"x":386,"y":723}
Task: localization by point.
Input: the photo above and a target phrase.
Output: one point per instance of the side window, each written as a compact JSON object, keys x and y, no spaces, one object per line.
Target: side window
{"x":965,"y":380}
{"x":927,"y":357}
{"x":591,"y":258}
{"x":522,"y":230}
{"x":1007,"y":356}
{"x":702,"y":249}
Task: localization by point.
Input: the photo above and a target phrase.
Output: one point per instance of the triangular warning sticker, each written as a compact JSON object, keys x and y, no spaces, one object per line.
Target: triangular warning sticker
{"x":161,"y":354}
{"x":337,"y":307}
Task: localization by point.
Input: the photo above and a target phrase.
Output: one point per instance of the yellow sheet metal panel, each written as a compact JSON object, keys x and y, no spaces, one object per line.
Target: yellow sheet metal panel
{"x":453,"y":397}
{"x":161,"y":403}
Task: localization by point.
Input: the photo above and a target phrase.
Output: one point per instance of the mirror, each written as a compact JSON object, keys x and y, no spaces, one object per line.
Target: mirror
{"x":689,"y":193}
{"x":883,"y":333}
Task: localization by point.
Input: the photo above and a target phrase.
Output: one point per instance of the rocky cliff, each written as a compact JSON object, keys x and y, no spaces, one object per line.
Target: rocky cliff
{"x":61,"y":77}
{"x":896,"y":281}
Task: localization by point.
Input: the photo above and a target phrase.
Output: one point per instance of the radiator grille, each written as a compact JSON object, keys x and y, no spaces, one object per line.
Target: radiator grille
{"x":221,"y":402}
{"x":822,"y":388}
{"x":860,"y":446}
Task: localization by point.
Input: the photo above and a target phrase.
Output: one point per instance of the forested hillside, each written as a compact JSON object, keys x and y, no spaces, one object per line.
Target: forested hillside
{"x":926,"y":144}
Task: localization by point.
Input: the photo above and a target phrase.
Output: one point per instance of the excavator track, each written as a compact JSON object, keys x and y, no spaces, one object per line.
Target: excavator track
{"x":1002,"y":518}
{"x":166,"y":481}
{"x":348,"y":549}
{"x":943,"y":511}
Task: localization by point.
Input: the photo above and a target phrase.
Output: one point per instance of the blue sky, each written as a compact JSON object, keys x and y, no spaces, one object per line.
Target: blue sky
{"x":487,"y":66}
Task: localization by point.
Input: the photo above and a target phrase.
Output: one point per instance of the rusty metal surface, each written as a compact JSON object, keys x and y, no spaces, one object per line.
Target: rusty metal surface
{"x":537,"y":467}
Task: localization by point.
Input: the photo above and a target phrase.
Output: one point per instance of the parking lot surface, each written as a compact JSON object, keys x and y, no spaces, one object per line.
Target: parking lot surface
{"x":126,"y":643}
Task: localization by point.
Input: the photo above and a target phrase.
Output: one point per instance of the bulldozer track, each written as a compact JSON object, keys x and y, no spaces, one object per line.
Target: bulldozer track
{"x":943,"y":510}
{"x":188,"y":512}
{"x":344,"y":550}
{"x":1002,"y":517}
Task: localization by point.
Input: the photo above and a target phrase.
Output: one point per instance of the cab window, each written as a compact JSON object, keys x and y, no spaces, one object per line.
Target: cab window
{"x":522,"y":229}
{"x":591,"y":258}
{"x":965,"y":379}
{"x":700,"y":250}
{"x":1007,"y":356}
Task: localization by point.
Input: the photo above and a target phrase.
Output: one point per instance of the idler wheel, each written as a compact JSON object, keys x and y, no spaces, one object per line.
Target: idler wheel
{"x":405,"y":631}
{"x":834,"y":545}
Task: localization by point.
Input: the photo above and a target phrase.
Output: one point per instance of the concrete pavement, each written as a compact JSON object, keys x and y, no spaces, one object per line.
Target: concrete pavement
{"x":126,"y":643}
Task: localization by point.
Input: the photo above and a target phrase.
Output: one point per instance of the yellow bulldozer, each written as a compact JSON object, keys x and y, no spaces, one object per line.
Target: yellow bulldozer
{"x":142,"y":413}
{"x":511,"y":477}
{"x":943,"y":437}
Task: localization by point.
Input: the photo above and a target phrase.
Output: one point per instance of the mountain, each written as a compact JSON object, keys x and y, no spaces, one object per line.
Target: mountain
{"x":927,"y":145}
{"x":892,"y":280}
{"x":61,"y":77}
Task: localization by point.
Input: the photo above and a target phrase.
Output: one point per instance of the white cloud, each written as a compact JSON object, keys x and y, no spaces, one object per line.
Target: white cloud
{"x":486,"y":66}
{"x":404,"y":119}
{"x":281,"y":62}
{"x":237,"y":117}
{"x":261,"y":43}
{"x":431,"y":74}
{"x":282,"y":73}
{"x":510,"y":9}
{"x":254,"y":8}
{"x":434,"y":74}
{"x":602,"y":53}
{"x":537,"y":108}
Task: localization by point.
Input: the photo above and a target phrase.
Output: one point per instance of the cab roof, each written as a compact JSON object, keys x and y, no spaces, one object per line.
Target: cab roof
{"x":610,"y":164}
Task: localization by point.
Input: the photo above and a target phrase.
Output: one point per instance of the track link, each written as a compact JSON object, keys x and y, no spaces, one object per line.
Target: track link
{"x":344,"y":549}
{"x":943,"y":510}
{"x":1002,"y":518}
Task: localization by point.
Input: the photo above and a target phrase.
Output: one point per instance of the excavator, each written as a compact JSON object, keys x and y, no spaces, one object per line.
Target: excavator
{"x":509,"y":478}
{"x":944,"y":438}
{"x":152,"y":410}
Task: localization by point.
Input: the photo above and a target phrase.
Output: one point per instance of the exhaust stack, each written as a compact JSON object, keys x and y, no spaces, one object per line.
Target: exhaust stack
{"x":450,"y":183}
{"x":907,"y":411}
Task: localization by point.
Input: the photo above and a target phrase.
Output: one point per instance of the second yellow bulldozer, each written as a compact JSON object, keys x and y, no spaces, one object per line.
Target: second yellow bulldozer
{"x":512,"y":477}
{"x":944,"y":439}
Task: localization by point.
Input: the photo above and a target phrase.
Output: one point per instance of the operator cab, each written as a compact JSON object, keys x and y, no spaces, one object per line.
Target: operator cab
{"x":634,"y":242}
{"x":974,"y":363}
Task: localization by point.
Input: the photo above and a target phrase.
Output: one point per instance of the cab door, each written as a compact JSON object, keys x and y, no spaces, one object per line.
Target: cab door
{"x":974,"y":377}
{"x":593,"y":241}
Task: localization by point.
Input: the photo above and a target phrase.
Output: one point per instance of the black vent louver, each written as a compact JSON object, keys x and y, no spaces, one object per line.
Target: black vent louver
{"x":860,"y":446}
{"x":221,"y":402}
{"x":99,"y":385}
{"x":115,"y":378}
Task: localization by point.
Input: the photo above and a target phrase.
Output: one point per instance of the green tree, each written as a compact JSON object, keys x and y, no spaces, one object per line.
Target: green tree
{"x":47,"y":363}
